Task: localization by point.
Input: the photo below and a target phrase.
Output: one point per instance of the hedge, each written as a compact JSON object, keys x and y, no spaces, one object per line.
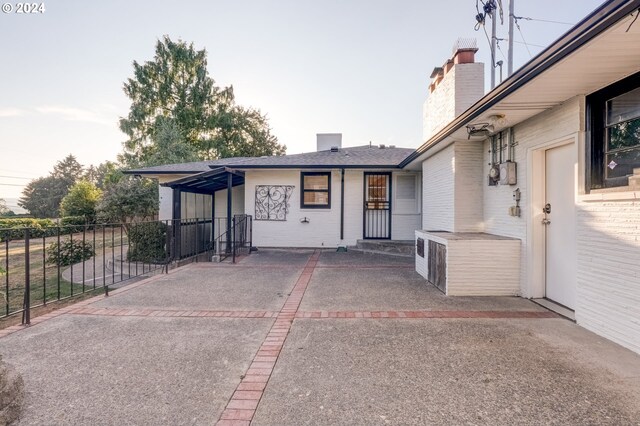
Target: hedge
{"x":13,"y":229}
{"x":147,"y":242}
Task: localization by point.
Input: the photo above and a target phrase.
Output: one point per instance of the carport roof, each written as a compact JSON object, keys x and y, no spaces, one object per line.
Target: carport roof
{"x":208,"y":182}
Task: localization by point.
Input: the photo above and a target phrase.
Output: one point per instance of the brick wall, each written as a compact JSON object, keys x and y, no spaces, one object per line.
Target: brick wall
{"x":469,"y":184}
{"x":323,"y":229}
{"x":608,"y":298}
{"x":438,"y":193}
{"x":460,"y":88}
{"x":560,"y":122}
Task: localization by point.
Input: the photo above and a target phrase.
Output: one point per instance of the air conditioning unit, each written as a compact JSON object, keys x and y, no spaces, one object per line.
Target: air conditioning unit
{"x":508,"y":173}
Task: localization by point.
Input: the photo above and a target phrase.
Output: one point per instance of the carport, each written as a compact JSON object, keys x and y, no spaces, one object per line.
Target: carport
{"x":207,"y":183}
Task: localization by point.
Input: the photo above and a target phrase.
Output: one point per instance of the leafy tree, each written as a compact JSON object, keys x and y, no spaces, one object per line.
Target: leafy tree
{"x":170,"y":145}
{"x":4,"y":210}
{"x":103,"y":174}
{"x":128,"y":200}
{"x":42,"y":196}
{"x":67,"y":171}
{"x":247,"y":134}
{"x":82,"y":199}
{"x":177,"y":85}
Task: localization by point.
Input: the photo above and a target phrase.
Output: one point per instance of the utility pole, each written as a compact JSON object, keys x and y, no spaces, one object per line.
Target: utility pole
{"x":510,"y":54}
{"x":493,"y":47}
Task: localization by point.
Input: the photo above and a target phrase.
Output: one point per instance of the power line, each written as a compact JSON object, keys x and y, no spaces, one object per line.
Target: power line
{"x":530,"y":44}
{"x":543,"y":20}
{"x":15,"y":177}
{"x":12,"y":184}
{"x":515,"y":19}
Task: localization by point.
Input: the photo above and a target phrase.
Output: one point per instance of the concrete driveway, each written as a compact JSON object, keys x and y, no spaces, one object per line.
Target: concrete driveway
{"x":295,"y":337}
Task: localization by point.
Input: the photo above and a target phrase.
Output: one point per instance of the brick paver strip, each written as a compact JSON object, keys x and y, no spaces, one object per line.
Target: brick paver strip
{"x":422,"y":314}
{"x":244,"y":401}
{"x":288,"y":266}
{"x":136,"y":312}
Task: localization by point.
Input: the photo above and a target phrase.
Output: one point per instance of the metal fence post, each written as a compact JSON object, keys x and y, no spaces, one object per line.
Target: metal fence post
{"x":26,"y":313}
{"x":197,"y":239}
{"x":250,"y":233}
{"x":233,"y":241}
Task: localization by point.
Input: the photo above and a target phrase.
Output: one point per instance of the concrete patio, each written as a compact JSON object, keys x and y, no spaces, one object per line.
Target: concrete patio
{"x":309,"y":337}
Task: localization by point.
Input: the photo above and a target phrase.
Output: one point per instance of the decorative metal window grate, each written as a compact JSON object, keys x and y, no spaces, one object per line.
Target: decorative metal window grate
{"x":272,"y":202}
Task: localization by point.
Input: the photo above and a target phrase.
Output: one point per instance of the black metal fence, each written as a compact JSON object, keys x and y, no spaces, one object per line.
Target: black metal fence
{"x":46,"y":264}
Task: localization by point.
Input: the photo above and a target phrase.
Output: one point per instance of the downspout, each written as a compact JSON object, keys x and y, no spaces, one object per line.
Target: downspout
{"x":341,"y":204}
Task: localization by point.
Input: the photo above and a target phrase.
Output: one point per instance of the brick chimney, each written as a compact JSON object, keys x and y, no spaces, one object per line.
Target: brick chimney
{"x":454,"y":87}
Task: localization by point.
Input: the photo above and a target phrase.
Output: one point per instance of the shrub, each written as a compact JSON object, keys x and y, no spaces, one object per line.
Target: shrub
{"x":69,"y":252}
{"x":13,"y":229}
{"x":147,"y":242}
{"x":82,"y":199}
{"x":72,"y":224}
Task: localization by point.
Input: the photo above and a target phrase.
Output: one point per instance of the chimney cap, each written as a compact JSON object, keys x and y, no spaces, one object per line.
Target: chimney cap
{"x":463,"y":44}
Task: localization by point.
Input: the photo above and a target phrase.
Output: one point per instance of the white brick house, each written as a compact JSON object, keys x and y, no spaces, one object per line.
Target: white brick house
{"x":565,"y":129}
{"x":531,"y":190}
{"x":330,"y":198}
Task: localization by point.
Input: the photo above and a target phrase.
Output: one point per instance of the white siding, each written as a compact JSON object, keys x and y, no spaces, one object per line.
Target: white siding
{"x":438,"y":192}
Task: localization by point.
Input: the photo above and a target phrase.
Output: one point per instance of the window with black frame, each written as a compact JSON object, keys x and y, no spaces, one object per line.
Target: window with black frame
{"x":315,"y":188}
{"x":615,"y":133}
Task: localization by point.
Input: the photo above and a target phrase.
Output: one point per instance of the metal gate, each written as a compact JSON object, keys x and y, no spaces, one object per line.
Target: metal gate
{"x":377,"y":206}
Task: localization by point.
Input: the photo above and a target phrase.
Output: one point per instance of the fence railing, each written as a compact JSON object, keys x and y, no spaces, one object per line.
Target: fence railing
{"x":46,"y":264}
{"x":236,"y":240}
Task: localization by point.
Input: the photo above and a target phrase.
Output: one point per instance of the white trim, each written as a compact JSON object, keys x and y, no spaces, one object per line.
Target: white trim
{"x":610,"y":196}
{"x":535,"y":250}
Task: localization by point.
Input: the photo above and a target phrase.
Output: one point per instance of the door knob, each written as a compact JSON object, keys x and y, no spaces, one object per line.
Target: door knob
{"x":546,"y":221}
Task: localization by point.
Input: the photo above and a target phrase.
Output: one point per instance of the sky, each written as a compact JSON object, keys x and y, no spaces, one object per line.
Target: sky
{"x":356,"y":67}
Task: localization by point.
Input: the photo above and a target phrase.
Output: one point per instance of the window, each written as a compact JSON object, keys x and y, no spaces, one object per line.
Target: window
{"x":614,"y":132}
{"x":315,"y":188}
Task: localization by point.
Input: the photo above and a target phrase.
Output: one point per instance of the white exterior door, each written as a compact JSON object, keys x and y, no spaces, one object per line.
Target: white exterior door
{"x":560,"y":225}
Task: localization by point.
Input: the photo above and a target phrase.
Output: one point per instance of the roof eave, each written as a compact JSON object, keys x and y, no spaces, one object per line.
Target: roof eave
{"x":586,"y":30}
{"x":319,"y":166}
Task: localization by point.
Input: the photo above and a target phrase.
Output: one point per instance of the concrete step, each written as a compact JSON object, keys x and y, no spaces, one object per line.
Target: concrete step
{"x":397,"y":248}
